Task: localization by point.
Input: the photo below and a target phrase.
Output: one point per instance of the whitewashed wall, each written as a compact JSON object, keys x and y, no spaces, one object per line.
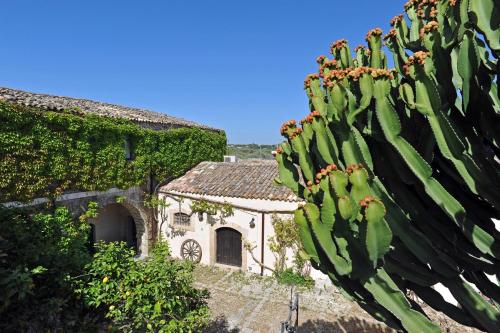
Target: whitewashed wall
{"x":204,"y":233}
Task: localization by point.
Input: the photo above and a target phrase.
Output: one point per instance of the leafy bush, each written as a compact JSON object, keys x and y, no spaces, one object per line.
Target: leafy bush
{"x":293,"y":278}
{"x":38,"y":254}
{"x":49,"y":281}
{"x":154,"y":295}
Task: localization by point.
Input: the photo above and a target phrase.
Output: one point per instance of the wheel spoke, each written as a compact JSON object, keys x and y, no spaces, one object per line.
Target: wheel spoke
{"x":191,"y":250}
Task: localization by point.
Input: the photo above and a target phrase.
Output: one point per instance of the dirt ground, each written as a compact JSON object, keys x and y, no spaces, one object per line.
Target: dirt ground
{"x":248,"y":303}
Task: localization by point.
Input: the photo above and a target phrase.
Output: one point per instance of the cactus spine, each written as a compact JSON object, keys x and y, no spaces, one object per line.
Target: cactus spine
{"x":400,"y":172}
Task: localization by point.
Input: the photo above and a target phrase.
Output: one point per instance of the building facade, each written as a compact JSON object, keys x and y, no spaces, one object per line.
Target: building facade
{"x":122,"y":215}
{"x":248,"y":188}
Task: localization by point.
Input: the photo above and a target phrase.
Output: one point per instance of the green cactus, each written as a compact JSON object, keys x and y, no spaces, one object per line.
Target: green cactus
{"x":400,"y":168}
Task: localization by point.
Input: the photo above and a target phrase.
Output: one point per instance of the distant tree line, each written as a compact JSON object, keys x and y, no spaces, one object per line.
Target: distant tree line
{"x":252,"y":150}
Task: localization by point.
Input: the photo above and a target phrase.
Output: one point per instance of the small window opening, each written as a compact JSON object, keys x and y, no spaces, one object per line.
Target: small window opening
{"x":182,"y":219}
{"x":129,"y":155}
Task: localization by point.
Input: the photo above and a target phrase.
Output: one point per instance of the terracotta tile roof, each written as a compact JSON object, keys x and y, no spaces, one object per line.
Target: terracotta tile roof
{"x":249,"y":179}
{"x":143,"y":117}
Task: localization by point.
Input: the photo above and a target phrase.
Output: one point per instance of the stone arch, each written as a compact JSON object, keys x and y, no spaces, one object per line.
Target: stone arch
{"x":141,"y":227}
{"x":138,"y":214}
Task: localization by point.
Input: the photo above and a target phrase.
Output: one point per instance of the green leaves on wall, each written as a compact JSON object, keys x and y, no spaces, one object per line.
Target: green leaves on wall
{"x":43,"y":154}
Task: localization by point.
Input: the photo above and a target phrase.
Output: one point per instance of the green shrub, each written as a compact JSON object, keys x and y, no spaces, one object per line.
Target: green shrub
{"x":50,"y":282}
{"x":38,"y":254}
{"x":293,"y":278}
{"x":153,"y":295}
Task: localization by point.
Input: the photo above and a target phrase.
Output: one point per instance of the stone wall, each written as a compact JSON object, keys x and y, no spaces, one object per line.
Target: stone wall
{"x":132,"y":200}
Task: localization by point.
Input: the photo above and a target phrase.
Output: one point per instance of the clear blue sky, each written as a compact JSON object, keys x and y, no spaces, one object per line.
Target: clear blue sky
{"x":235,"y":65}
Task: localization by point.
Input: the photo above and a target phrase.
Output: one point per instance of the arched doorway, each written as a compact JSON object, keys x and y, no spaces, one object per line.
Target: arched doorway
{"x":115,"y":223}
{"x":228,"y":247}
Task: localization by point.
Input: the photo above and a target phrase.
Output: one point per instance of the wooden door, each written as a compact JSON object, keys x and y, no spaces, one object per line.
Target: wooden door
{"x":228,"y":247}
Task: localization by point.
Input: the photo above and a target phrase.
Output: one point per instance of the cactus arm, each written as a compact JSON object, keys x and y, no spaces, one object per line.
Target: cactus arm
{"x":485,"y":16}
{"x":413,"y":239}
{"x":317,"y":97}
{"x":363,"y":148}
{"x":288,"y":173}
{"x":399,"y":54}
{"x":386,"y":293}
{"x":416,"y":25}
{"x":322,"y":233}
{"x":366,"y":89}
{"x":323,"y":141}
{"x":411,"y":272}
{"x":304,"y":160}
{"x":338,"y":98}
{"x":479,"y":308}
{"x":307,"y":135}
{"x":354,"y":291}
{"x":436,"y":300}
{"x":463,"y":14}
{"x":381,"y":314}
{"x":391,"y":128}
{"x":328,"y":212}
{"x":468,"y":63}
{"x":480,"y":280}
{"x":359,"y":181}
{"x":328,"y":209}
{"x":375,"y":44}
{"x":402,"y":31}
{"x":406,"y":93}
{"x":376,"y":232}
{"x":305,"y":234}
{"x":339,"y":180}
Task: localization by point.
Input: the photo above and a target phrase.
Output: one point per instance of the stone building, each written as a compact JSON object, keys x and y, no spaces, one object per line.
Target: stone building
{"x":122,"y":214}
{"x":248,"y":187}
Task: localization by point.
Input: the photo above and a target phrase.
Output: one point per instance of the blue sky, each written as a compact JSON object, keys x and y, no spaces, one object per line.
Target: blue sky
{"x":235,"y":65}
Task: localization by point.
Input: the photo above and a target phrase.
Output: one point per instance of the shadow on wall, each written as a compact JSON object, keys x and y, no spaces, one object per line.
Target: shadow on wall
{"x":220,"y":325}
{"x":343,"y":325}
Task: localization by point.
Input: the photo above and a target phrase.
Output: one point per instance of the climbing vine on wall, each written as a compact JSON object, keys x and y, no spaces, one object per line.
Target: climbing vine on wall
{"x":202,"y":206}
{"x":285,"y":237}
{"x":43,"y":154}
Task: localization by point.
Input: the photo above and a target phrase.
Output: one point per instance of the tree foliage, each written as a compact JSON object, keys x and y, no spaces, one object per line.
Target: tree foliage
{"x":153,"y":295}
{"x":38,"y":255}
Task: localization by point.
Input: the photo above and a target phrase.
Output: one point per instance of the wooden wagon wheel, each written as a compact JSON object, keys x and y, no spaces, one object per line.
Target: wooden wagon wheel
{"x":191,"y":250}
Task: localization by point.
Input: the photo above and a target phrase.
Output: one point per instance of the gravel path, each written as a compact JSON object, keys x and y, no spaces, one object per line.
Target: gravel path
{"x":248,"y":303}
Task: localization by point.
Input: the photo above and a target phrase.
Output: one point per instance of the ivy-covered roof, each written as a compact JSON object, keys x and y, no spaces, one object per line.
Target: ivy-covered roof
{"x":248,"y":179}
{"x":143,"y":117}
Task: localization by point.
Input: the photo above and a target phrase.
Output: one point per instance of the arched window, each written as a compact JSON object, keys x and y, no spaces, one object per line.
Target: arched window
{"x":182,"y":219}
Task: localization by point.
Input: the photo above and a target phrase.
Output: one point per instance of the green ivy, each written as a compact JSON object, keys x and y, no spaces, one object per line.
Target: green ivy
{"x":43,"y":154}
{"x":202,"y":206}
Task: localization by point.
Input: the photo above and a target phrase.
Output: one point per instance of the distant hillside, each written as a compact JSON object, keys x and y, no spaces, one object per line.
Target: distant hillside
{"x":246,"y":151}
